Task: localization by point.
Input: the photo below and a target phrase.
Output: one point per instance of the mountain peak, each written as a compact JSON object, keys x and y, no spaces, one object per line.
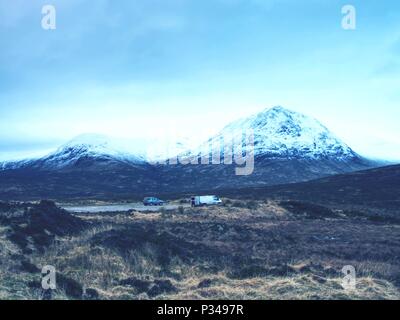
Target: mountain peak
{"x":276,"y":110}
{"x":280,"y":132}
{"x":91,"y":142}
{"x":94,"y":146}
{"x":89,"y":139}
{"x":279,"y":109}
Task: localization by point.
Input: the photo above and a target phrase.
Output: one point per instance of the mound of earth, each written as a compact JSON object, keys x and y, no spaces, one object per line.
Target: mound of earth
{"x":152,"y":288}
{"x":35,"y":226}
{"x":308,"y":210}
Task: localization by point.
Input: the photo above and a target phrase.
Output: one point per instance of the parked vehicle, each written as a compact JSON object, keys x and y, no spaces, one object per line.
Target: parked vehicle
{"x":197,"y":201}
{"x":153,"y":201}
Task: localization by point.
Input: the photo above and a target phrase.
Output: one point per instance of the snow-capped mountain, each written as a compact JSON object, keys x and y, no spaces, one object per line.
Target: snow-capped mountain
{"x":278,"y":133}
{"x":282,"y":133}
{"x":288,"y":147}
{"x":160,"y":150}
{"x":93,"y":147}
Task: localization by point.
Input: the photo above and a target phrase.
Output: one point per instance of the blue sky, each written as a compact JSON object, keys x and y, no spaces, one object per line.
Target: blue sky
{"x":138,"y":68}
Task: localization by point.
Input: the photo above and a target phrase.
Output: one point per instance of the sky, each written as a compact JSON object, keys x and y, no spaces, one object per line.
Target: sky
{"x":141,"y":68}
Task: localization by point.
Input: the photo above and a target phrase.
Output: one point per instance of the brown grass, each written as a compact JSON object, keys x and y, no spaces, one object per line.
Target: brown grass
{"x":246,"y":251}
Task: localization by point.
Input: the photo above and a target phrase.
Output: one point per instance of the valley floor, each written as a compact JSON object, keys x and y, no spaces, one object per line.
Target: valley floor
{"x":242,"y":250}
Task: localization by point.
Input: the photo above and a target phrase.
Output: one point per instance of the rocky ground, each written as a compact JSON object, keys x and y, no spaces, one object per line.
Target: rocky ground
{"x":266,"y":249}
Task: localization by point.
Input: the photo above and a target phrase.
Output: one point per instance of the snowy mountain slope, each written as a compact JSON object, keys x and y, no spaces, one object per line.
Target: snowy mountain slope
{"x":92,"y":146}
{"x":278,"y":133}
{"x":289,"y":147}
{"x":282,"y":133}
{"x":160,"y":150}
{"x":84,"y":148}
{"x":11,"y":165}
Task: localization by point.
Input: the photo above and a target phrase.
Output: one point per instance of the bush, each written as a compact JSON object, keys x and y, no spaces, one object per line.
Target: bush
{"x":164,"y":212}
{"x":242,"y":204}
{"x":252,"y":205}
{"x":239,"y":204}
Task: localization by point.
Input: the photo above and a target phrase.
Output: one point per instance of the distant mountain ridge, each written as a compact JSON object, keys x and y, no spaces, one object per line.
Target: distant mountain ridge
{"x":288,"y":147}
{"x":376,"y":190}
{"x":88,"y":147}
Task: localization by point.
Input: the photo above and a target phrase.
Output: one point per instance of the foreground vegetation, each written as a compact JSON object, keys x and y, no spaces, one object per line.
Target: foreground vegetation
{"x":242,"y":250}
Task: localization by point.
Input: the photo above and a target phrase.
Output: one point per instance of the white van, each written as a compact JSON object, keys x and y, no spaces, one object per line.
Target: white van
{"x":197,"y":201}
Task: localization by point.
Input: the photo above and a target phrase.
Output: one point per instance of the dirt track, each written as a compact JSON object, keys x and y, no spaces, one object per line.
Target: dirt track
{"x":120,"y":207}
